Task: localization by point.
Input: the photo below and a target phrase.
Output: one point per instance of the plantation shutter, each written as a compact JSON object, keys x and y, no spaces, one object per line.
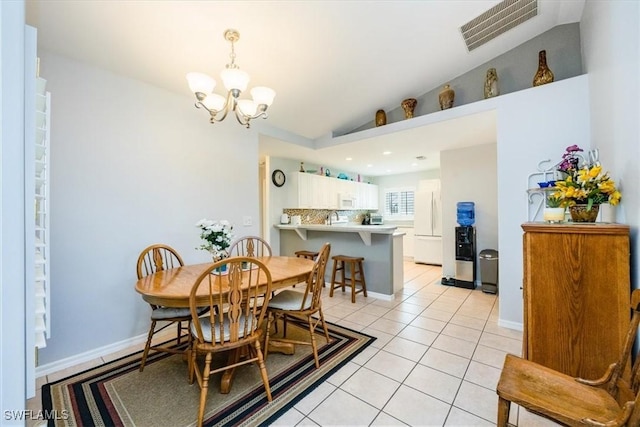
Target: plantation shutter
{"x":42,"y":276}
{"x":399,"y":202}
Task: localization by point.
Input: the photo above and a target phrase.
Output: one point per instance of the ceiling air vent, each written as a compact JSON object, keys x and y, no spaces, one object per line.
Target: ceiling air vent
{"x":497,"y":20}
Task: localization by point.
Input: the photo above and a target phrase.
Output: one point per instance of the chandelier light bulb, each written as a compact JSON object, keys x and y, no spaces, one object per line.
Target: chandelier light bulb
{"x":263,"y":95}
{"x":214,"y":102}
{"x":200,"y":83}
{"x":247,"y":107}
{"x":235,"y":79}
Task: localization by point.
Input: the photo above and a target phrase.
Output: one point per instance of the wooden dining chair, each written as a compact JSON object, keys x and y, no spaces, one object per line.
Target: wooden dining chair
{"x":250,"y":246}
{"x":612,"y":400}
{"x":233,"y":322}
{"x":302,"y":309}
{"x":155,"y":258}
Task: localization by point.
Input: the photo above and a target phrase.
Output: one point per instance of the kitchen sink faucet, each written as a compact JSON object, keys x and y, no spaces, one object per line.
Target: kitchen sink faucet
{"x":330,"y":217}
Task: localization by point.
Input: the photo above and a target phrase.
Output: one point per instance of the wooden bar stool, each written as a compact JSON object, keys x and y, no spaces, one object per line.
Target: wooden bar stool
{"x":340,"y":263}
{"x":307,"y":254}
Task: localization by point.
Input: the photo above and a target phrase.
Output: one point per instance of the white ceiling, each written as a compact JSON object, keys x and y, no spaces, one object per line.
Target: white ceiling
{"x":331,"y":63}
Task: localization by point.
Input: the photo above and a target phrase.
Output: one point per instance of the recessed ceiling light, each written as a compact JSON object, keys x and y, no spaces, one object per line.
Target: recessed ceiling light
{"x":369,"y":166}
{"x":348,"y":158}
{"x":389,"y":170}
{"x":386,"y":152}
{"x":414,"y":164}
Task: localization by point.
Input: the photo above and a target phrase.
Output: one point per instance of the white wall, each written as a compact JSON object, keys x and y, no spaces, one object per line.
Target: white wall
{"x":13,"y":375}
{"x":132,"y":165}
{"x":611,"y":54}
{"x":533,"y":125}
{"x":279,"y":197}
{"x":469,"y":175}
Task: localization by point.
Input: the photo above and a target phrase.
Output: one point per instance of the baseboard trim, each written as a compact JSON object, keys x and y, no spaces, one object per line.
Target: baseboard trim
{"x":511,"y":325}
{"x":383,"y":297}
{"x":78,"y":359}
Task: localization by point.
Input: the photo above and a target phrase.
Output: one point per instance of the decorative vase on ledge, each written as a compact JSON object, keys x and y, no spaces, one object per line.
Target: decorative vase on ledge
{"x":579,"y":213}
{"x":446,"y":97}
{"x":491,"y":84}
{"x":409,"y":105}
{"x":381,"y":118}
{"x":544,"y":74}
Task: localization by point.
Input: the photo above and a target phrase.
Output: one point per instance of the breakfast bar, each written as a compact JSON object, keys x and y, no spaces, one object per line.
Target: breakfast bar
{"x":379,"y":245}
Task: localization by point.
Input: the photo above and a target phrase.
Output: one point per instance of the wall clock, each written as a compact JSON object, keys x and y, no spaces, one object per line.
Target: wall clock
{"x":278,"y":178}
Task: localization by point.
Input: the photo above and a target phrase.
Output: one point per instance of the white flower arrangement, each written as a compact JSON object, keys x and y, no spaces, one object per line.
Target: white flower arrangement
{"x":217,"y":237}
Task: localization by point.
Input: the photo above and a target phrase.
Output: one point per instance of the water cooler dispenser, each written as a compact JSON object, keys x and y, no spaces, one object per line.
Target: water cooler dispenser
{"x":466,"y":246}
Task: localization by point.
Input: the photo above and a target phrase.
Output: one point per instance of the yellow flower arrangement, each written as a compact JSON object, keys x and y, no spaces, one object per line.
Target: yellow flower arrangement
{"x":587,"y":186}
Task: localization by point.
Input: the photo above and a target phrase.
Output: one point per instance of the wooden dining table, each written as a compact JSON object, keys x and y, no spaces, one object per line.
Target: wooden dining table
{"x":171,"y":288}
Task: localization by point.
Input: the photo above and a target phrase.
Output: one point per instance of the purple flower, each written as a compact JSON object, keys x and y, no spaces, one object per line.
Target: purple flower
{"x":570,"y":159}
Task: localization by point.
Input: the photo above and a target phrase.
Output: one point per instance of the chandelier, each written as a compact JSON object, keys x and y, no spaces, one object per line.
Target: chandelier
{"x":235,"y":81}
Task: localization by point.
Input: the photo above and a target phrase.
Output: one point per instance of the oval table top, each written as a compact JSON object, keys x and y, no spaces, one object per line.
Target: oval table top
{"x":171,"y":288}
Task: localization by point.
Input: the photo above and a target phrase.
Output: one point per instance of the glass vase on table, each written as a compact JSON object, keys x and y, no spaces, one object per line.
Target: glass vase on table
{"x":219,"y":256}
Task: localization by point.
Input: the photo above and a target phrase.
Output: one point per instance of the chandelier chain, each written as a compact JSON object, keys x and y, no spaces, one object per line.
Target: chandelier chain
{"x":232,"y":55}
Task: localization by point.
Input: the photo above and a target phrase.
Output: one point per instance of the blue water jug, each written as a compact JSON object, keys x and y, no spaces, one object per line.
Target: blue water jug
{"x":466,"y":213}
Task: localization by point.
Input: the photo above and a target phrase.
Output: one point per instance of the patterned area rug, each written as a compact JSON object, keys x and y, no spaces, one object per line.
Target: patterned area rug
{"x":117,"y":394}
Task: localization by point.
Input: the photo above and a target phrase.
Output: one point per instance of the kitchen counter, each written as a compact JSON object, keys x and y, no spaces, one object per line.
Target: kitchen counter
{"x":365,"y":231}
{"x":380,"y":245}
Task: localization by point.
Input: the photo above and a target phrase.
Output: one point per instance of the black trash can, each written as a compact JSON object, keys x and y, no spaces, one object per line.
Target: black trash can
{"x":489,"y":270}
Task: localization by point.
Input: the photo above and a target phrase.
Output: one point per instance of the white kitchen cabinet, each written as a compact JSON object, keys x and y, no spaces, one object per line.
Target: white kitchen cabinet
{"x":408,"y":241}
{"x":348,"y":188}
{"x":310,"y":191}
{"x":300,"y":195}
{"x":370,"y":192}
{"x":324,"y":193}
{"x":365,"y":195}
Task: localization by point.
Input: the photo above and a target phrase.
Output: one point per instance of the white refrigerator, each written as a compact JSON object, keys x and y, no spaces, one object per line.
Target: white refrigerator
{"x":428,"y":225}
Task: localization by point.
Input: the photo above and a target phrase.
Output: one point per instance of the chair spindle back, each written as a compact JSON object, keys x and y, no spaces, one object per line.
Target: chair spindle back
{"x":233,"y":299}
{"x":157,"y":257}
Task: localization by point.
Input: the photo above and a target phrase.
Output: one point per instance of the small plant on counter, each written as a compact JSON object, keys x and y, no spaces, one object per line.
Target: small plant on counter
{"x":554,"y":201}
{"x":217,"y":237}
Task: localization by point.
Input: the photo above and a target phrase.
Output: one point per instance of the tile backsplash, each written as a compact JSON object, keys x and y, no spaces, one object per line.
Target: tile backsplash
{"x":318,"y":216}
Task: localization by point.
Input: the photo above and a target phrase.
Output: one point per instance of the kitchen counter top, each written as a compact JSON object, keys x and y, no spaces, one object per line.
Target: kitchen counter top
{"x":341,"y":227}
{"x":365,"y":231}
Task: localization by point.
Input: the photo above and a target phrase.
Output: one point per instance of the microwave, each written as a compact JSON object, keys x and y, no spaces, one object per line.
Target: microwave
{"x":346,"y":201}
{"x":375,"y":219}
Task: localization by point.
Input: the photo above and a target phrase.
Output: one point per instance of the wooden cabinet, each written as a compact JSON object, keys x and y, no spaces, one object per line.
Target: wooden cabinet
{"x":576,"y":295}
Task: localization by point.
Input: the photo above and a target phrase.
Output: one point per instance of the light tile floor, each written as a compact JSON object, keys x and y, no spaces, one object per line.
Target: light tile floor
{"x":436,"y":360}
